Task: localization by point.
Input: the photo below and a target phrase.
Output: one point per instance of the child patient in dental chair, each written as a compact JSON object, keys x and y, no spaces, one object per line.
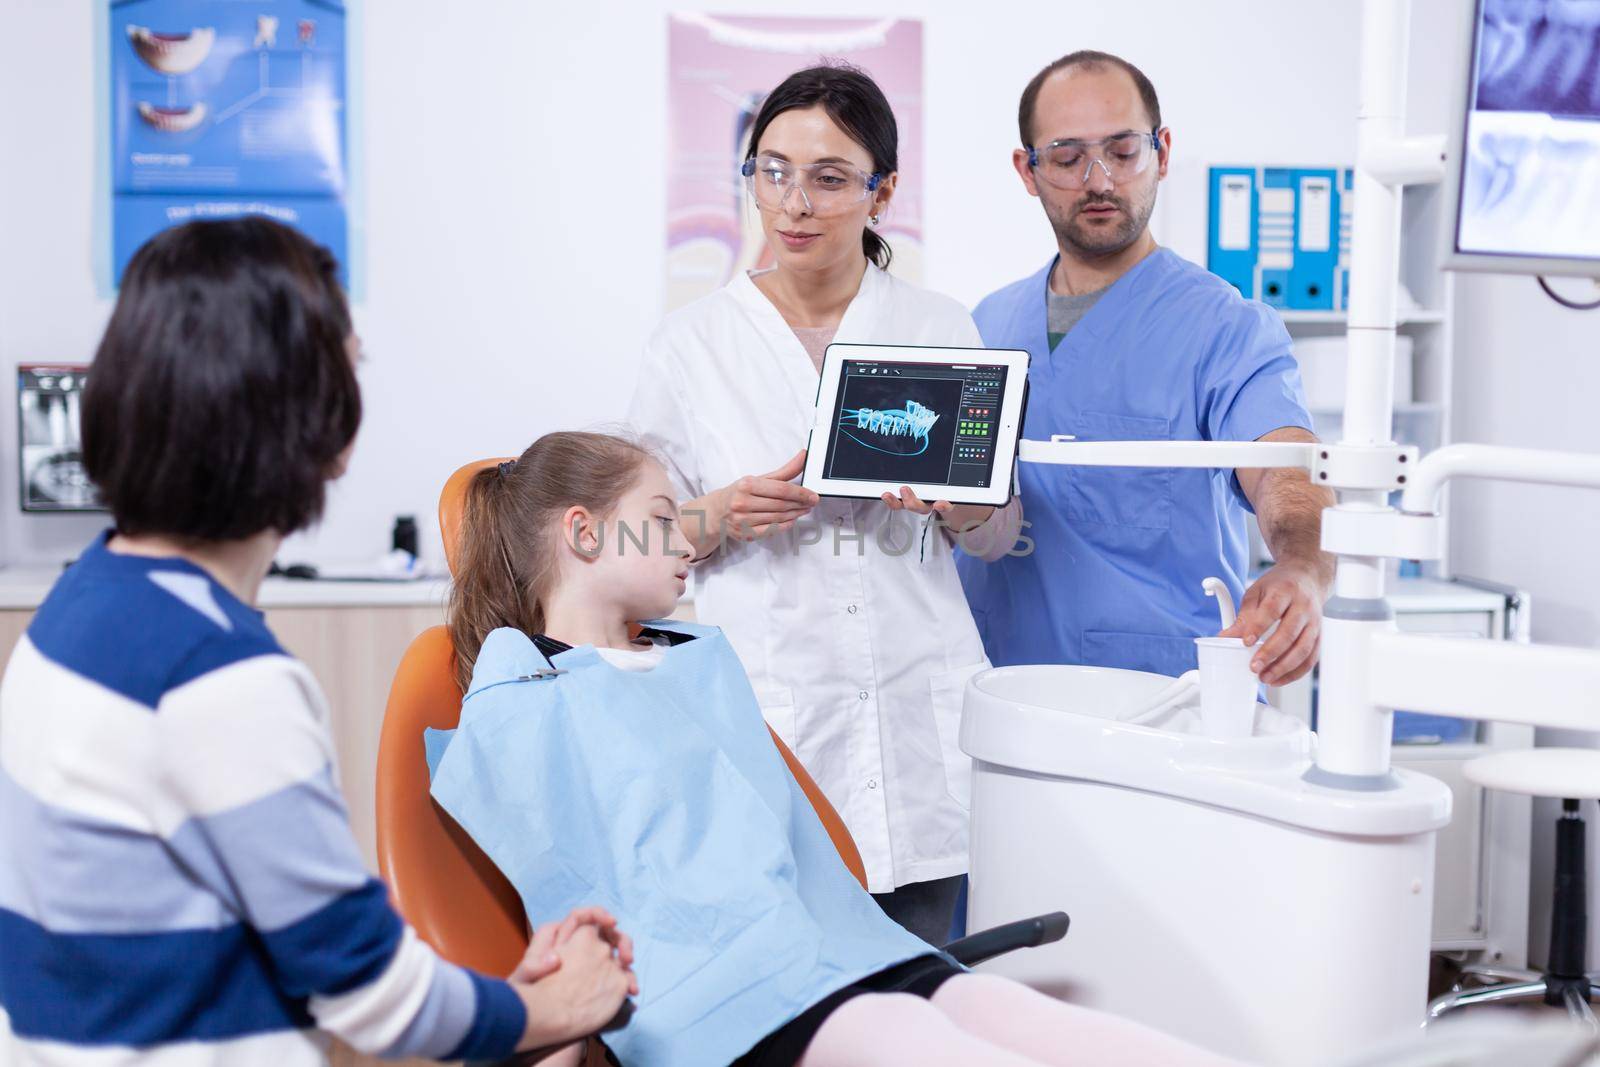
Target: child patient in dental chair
{"x":598,"y":763}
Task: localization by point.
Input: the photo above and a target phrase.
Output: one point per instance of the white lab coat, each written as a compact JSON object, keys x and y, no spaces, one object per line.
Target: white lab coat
{"x":859,"y":649}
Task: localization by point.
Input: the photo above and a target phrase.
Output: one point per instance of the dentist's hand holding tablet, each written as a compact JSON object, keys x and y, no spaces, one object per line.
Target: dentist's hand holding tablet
{"x":754,"y":507}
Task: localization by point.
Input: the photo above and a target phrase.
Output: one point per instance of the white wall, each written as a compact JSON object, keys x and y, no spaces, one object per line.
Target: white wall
{"x":1528,"y":374}
{"x":514,"y":262}
{"x":48,"y":310}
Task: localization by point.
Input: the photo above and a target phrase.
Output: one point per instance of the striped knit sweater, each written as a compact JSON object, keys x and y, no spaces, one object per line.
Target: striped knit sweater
{"x":179,"y":886}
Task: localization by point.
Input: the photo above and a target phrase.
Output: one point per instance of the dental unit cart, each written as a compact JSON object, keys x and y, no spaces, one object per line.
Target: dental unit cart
{"x":1214,"y":891}
{"x":1480,"y":903}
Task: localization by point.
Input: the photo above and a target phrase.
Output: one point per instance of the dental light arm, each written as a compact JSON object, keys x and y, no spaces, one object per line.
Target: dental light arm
{"x":1408,"y":160}
{"x":1368,"y":667}
{"x":1534,"y":685}
{"x":1223,"y":454}
{"x":1421,"y":495}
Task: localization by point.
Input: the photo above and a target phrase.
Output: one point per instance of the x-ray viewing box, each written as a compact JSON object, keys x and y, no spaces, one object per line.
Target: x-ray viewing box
{"x":943,"y":421}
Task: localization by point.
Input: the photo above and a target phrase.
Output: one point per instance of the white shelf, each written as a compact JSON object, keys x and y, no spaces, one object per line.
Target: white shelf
{"x":1415,"y":316}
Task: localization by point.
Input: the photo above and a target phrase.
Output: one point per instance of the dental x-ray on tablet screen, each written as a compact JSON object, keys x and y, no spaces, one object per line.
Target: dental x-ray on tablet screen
{"x":943,"y":421}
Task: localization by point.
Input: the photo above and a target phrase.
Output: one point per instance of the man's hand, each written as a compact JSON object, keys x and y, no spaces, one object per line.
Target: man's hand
{"x":1291,"y":596}
{"x":1289,"y":509}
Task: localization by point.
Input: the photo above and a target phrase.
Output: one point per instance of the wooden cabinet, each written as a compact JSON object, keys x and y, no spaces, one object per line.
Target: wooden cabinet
{"x":353,"y":652}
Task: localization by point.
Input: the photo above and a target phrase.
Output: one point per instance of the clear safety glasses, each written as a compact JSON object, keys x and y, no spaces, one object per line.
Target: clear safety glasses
{"x":821,"y":188}
{"x":1067,"y":164}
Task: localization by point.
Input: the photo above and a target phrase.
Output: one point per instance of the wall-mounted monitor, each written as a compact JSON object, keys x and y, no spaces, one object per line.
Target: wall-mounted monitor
{"x":1523,"y":173}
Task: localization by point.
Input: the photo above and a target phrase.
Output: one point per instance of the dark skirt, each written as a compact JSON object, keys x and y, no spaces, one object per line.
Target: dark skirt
{"x":783,"y":1047}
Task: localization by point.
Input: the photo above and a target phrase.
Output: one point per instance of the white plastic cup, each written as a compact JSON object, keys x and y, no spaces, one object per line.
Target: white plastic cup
{"x":1227,"y":687}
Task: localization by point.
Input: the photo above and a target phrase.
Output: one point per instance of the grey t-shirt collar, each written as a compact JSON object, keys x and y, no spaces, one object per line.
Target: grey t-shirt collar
{"x":1063,"y":312}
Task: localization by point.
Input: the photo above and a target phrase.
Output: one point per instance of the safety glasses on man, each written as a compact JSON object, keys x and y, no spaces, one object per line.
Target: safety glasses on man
{"x":1067,"y":163}
{"x":825,"y":188}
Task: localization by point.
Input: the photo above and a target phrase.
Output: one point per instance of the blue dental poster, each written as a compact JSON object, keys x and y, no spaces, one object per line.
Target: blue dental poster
{"x":220,"y":108}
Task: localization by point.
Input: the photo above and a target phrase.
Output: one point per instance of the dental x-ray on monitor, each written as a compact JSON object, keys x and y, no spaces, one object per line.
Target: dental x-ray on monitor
{"x":1524,"y":166}
{"x":50,"y":449}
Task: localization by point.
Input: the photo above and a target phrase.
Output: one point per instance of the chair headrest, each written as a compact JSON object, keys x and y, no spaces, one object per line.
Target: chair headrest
{"x":452,"y":503}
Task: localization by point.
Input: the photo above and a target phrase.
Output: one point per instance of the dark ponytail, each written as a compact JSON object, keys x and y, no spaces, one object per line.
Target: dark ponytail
{"x":876,"y":248}
{"x":853,"y":101}
{"x":506,"y":561}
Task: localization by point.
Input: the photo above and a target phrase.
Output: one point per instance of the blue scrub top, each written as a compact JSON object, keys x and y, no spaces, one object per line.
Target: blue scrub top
{"x":1169,"y":352}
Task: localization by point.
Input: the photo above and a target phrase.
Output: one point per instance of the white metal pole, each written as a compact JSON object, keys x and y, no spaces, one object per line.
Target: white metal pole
{"x":1375,"y":231}
{"x":1354,"y":734}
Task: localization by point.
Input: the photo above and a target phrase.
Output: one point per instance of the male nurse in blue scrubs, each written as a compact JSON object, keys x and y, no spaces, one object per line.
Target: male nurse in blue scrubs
{"x":1131,"y":342}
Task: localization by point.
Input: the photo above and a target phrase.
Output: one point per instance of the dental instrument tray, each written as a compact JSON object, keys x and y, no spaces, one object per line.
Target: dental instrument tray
{"x":942,"y":421}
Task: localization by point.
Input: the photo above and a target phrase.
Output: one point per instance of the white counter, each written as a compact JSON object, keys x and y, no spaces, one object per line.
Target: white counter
{"x":1416,"y":596}
{"x":24,"y":588}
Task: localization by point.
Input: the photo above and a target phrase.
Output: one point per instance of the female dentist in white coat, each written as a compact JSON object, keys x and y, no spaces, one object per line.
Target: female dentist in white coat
{"x":852,"y":625}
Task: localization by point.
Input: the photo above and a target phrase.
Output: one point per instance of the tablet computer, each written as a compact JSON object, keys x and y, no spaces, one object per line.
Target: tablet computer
{"x":943,"y":421}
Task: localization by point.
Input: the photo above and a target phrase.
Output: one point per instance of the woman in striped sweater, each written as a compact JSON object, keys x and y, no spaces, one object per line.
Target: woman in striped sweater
{"x":178,"y":880}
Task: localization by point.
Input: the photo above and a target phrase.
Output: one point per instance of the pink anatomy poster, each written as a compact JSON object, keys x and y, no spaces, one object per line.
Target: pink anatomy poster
{"x":719,"y":68}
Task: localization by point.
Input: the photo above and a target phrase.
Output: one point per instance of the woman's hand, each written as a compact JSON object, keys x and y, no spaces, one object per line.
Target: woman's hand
{"x":606,"y":926}
{"x":542,"y":959}
{"x":958,"y":517}
{"x":754,"y":507}
{"x":583,"y":992}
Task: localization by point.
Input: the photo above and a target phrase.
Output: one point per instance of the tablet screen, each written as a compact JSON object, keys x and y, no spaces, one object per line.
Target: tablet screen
{"x":910,"y":423}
